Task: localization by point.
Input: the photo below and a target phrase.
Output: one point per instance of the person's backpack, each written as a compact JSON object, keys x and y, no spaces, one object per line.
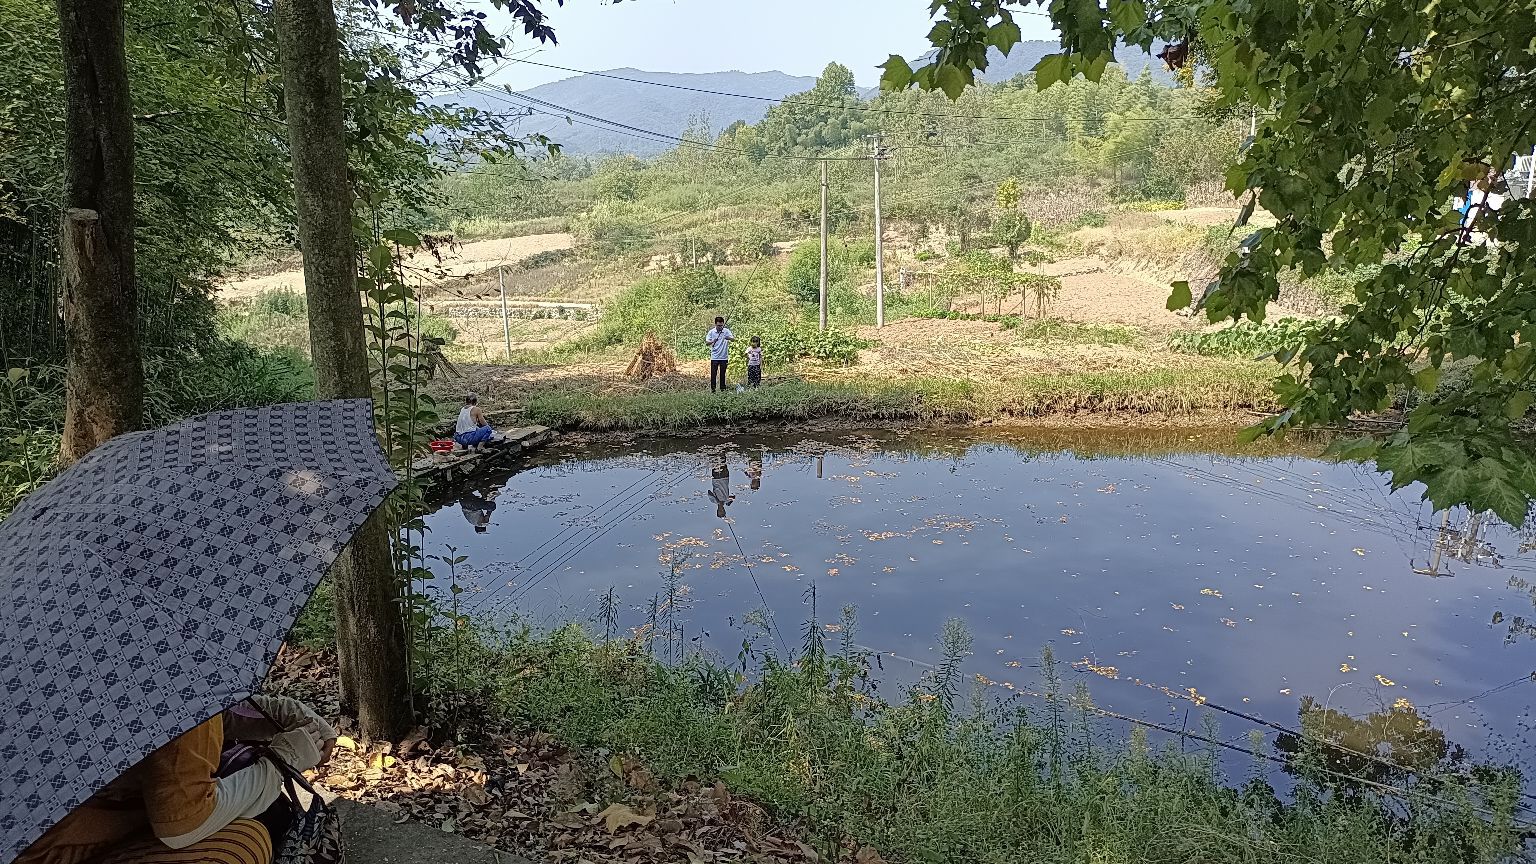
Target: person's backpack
{"x":313,"y":830}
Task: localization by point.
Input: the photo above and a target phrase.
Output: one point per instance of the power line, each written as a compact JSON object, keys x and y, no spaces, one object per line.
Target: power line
{"x":625,"y":128}
{"x":792,"y":100}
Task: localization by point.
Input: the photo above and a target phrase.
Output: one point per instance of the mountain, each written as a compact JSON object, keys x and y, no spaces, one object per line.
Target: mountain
{"x":1022,"y":59}
{"x":646,"y":106}
{"x":668,"y":109}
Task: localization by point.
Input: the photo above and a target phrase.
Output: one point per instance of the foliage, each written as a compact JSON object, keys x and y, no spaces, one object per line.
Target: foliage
{"x":802,"y":274}
{"x":823,"y":119}
{"x":1374,"y":120}
{"x":1012,"y":229}
{"x":1249,"y":338}
{"x":941,"y":770}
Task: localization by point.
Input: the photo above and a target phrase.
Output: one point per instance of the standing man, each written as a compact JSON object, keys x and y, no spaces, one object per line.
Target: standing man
{"x":719,"y":341}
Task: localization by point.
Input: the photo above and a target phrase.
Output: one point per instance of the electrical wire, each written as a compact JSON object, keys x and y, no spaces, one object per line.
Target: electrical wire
{"x":792,"y":100}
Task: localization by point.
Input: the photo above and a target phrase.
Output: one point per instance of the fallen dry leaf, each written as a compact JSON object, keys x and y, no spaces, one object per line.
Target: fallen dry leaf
{"x":619,"y":816}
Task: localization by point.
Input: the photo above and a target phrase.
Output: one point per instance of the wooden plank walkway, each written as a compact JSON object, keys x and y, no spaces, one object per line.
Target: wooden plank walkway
{"x":449,"y":468}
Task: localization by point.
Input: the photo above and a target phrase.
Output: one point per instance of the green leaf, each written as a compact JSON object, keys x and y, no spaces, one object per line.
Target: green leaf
{"x":1049,"y":70}
{"x":1180,"y":297}
{"x":1358,"y":449}
{"x":951,"y":79}
{"x":402,"y":237}
{"x":16,"y":375}
{"x":1427,"y":379}
{"x":1518,"y":404}
{"x":1127,"y":15}
{"x":897,"y":75}
{"x":1003,"y":36}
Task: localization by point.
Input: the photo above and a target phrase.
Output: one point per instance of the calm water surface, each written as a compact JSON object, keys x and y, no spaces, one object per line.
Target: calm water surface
{"x":1254,"y":581}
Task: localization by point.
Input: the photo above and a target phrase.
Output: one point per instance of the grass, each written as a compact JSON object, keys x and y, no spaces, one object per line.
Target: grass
{"x":1214,"y":388}
{"x":941,"y":771}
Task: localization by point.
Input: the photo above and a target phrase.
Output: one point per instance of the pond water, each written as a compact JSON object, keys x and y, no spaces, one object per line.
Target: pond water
{"x":1152,"y":565}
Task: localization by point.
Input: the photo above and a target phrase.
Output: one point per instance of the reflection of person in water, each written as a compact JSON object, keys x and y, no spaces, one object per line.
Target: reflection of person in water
{"x":720,"y":486}
{"x":478,"y":509}
{"x":755,"y":469}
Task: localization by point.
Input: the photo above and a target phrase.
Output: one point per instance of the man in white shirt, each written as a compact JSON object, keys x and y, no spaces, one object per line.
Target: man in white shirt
{"x":719,"y":341}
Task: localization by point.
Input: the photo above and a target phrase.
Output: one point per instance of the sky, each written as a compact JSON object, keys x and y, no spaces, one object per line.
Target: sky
{"x":795,"y":36}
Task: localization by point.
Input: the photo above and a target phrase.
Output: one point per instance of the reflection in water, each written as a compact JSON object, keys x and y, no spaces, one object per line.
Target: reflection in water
{"x":477,"y":509}
{"x":1251,"y":580}
{"x":720,"y":485}
{"x":1394,"y":747}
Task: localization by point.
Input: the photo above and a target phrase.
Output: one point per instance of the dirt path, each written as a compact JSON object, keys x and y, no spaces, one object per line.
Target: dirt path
{"x":467,"y":259}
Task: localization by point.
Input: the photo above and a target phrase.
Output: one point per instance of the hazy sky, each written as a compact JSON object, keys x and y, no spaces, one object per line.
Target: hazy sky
{"x":795,"y":36}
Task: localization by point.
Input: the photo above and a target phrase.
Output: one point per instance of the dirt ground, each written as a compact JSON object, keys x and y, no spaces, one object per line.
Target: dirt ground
{"x":468,"y":259}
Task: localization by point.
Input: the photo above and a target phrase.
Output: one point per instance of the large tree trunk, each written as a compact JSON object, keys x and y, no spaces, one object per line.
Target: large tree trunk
{"x":370,"y":634}
{"x":104,"y":382}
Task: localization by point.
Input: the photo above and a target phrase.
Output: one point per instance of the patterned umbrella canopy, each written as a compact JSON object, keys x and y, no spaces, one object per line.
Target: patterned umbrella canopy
{"x":149,"y":586}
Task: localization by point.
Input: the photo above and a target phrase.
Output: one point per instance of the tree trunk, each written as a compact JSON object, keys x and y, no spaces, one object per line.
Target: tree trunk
{"x":370,"y":634}
{"x":104,"y":381}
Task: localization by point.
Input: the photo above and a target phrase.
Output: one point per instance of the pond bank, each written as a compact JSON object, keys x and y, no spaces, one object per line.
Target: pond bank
{"x":1145,"y":398}
{"x":569,"y":747}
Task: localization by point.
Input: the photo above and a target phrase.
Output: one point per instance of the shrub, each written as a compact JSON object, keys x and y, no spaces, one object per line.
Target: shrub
{"x":1091,"y":219}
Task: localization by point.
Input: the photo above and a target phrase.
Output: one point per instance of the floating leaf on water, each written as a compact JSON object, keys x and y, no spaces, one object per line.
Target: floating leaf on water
{"x":1229,"y":622}
{"x":887,"y":569}
{"x":790,"y":568}
{"x":1385,"y":681}
{"x":1179,"y":606}
{"x":1014,"y":664}
{"x":1285,"y":691}
{"x":938,"y":542}
{"x":1345,"y":667}
{"x":1210,"y":592}
{"x":833,"y":571}
{"x":1068,"y":631}
{"x":1402,"y":704}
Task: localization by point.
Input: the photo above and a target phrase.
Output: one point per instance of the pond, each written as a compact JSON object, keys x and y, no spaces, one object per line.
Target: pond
{"x":1156,"y":567}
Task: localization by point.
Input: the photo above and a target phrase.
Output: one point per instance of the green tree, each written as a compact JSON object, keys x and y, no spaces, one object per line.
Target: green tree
{"x":618,"y":179}
{"x":1012,"y":229}
{"x":1374,"y":118}
{"x":1009,"y":194}
{"x":825,"y":118}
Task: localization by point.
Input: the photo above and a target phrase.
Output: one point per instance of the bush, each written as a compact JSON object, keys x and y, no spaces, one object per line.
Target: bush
{"x":1091,"y":219}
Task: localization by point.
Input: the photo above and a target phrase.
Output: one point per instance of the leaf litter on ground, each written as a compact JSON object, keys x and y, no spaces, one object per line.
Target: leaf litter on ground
{"x":524,"y":792}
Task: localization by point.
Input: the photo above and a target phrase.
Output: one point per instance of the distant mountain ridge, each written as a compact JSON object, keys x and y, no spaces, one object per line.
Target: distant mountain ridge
{"x":667,"y":110}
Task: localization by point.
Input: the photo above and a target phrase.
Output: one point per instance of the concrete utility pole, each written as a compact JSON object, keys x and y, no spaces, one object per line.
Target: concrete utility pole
{"x":823,"y":295}
{"x":878,"y":153}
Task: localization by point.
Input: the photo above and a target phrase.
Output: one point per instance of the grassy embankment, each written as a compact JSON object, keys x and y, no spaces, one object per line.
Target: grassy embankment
{"x":942,"y":771}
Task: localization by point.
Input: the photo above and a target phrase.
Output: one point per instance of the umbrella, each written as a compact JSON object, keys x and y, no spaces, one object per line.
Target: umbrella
{"x":150,"y":585}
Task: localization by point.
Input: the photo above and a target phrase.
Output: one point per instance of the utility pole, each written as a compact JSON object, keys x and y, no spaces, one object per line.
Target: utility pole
{"x":823,"y":295}
{"x":878,"y":154}
{"x":506,"y":323}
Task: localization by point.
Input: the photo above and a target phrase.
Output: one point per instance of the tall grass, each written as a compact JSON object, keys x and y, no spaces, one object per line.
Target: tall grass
{"x":945,"y":771}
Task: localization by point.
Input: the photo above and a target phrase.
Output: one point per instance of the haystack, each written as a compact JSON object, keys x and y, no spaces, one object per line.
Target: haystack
{"x":651,"y":360}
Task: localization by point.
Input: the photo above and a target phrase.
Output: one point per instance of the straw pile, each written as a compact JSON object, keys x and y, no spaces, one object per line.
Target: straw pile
{"x":651,"y":360}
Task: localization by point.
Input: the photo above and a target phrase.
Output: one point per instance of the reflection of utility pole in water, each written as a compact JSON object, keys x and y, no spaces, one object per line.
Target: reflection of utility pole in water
{"x":1434,"y":565}
{"x":819,"y":457}
{"x":1465,"y":544}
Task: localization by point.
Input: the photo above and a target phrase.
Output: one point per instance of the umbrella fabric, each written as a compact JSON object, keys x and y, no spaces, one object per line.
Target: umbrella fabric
{"x":150,"y":585}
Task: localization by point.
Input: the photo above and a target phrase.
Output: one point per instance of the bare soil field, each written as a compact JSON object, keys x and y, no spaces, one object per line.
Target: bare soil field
{"x":465,"y":260}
